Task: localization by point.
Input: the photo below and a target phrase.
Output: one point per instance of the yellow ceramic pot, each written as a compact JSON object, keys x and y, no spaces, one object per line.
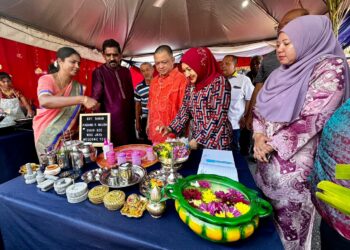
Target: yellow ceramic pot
{"x":215,"y":228}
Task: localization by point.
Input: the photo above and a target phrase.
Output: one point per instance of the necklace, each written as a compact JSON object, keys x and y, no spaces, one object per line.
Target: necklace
{"x":60,"y":83}
{"x":8,"y":92}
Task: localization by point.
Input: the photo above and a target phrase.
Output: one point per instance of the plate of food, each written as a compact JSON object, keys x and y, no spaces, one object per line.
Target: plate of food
{"x":129,"y":150}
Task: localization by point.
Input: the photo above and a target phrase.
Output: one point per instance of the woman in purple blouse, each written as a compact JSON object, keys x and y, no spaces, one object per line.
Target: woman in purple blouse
{"x":291,"y":110}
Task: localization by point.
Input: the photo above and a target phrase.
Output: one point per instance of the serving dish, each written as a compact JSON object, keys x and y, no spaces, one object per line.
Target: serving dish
{"x":128,"y":150}
{"x":92,"y":175}
{"x":138,"y":173}
{"x":216,"y":220}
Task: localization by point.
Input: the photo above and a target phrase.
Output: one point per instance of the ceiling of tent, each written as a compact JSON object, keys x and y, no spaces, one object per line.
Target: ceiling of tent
{"x":140,"y":27}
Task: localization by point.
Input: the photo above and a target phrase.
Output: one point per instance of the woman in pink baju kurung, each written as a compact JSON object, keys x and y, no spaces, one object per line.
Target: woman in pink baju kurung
{"x":296,"y":101}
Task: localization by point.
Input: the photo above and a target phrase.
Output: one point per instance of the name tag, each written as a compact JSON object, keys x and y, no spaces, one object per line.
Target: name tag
{"x":236,"y":87}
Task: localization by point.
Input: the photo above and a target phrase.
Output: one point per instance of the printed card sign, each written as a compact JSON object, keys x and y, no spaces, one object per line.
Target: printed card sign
{"x":94,"y":128}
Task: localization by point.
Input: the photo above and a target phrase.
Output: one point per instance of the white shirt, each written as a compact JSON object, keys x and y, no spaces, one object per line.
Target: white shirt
{"x":241,"y":92}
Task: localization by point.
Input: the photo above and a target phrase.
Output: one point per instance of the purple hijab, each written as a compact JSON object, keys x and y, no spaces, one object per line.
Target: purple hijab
{"x":283,"y":94}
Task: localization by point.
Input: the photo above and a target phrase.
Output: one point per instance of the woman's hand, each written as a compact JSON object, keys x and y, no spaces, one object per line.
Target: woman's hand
{"x":90,"y":103}
{"x":261,"y":148}
{"x":193,"y":144}
{"x":164,"y":130}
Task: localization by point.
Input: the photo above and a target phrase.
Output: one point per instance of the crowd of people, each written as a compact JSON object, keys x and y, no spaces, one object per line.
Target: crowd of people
{"x":287,"y":100}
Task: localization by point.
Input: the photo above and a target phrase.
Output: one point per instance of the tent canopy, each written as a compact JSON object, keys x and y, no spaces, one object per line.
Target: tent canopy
{"x":140,"y":27}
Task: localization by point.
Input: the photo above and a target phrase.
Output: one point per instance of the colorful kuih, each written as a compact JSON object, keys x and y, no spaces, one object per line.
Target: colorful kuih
{"x":218,"y":208}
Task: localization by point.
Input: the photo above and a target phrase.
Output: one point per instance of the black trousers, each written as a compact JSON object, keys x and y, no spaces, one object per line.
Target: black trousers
{"x":331,"y":239}
{"x":143,"y":135}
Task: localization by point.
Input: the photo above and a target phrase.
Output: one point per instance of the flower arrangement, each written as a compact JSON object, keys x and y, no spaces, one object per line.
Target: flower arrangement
{"x":208,"y":199}
{"x":175,"y":149}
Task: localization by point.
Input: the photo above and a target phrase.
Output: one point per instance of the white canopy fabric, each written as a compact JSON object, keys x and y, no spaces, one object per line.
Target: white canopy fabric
{"x":140,"y":27}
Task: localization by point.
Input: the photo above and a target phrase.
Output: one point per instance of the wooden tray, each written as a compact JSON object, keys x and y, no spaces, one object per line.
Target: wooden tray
{"x":128,"y":149}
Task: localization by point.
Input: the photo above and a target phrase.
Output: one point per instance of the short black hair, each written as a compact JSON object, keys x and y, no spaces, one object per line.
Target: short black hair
{"x":4,"y":75}
{"x":111,"y":43}
{"x":234,"y":58}
{"x":146,"y":63}
{"x":164,"y":48}
{"x":254,"y":60}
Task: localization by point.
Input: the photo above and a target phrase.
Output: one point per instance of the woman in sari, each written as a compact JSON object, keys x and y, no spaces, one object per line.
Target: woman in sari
{"x":206,"y":101}
{"x":11,"y":101}
{"x":291,"y":110}
{"x":60,"y":99}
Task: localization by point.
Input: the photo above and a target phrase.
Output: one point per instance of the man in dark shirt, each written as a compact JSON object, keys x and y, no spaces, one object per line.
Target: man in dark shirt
{"x":112,"y":87}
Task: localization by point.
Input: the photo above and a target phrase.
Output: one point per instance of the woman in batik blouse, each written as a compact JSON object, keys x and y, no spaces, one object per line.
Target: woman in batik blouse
{"x":206,"y":101}
{"x":291,"y":110}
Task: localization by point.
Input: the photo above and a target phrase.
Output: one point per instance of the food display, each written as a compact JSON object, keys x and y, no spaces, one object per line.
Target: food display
{"x":218,"y":208}
{"x":97,"y":194}
{"x":134,"y":206}
{"x":114,"y":200}
{"x":215,"y":208}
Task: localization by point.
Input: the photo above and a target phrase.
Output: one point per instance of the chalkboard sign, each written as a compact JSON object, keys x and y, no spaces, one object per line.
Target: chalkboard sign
{"x":94,"y":128}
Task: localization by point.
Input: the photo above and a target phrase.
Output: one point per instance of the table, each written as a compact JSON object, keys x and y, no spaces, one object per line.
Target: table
{"x":16,"y":148}
{"x":32,"y":219}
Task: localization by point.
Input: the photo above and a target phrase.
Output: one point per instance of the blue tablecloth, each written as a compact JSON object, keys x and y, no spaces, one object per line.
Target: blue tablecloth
{"x":31,"y":219}
{"x":16,"y":149}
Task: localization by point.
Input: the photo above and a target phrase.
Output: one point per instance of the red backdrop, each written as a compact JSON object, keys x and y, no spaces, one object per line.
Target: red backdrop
{"x":27,"y":63}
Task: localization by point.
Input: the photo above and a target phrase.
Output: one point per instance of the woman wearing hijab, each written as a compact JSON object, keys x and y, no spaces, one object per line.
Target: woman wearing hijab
{"x":206,"y":101}
{"x":291,"y":110}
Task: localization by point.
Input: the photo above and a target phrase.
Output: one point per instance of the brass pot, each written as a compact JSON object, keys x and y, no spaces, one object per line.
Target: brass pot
{"x":156,"y":209}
